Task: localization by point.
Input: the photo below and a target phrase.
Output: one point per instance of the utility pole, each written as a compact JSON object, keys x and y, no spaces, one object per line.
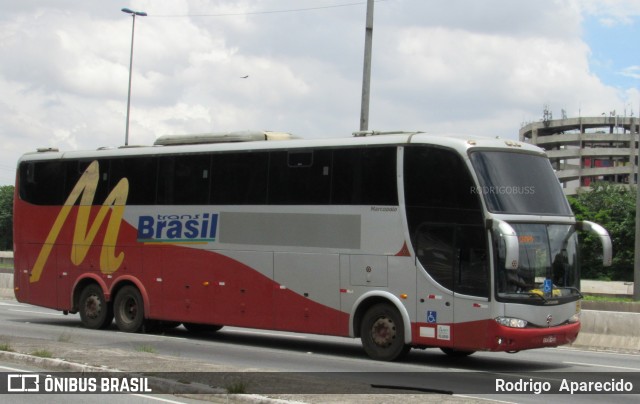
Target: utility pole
{"x":366,"y":74}
{"x":133,"y":30}
{"x":636,"y":256}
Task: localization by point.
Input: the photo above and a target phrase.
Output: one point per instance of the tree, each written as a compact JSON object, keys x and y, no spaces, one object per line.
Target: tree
{"x":6,"y":218}
{"x":614,"y":208}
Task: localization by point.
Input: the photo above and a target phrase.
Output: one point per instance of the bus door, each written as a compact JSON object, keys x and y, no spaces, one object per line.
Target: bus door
{"x":455,"y":303}
{"x":435,"y":253}
{"x":471,"y":280}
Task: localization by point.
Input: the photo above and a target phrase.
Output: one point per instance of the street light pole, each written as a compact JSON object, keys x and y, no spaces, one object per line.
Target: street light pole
{"x":636,"y":258}
{"x":366,"y":74}
{"x":133,"y":30}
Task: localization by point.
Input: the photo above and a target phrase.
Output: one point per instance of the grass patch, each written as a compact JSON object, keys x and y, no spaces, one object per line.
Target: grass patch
{"x":145,"y":348}
{"x":237,"y":387}
{"x":64,"y":337}
{"x":4,"y":346}
{"x":42,"y":353}
{"x":588,"y":298}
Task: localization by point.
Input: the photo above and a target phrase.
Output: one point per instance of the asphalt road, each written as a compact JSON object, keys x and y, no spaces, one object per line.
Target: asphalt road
{"x":341,"y":363}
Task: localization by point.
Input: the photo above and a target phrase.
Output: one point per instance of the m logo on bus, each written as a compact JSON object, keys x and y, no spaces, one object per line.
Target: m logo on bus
{"x":83,"y":234}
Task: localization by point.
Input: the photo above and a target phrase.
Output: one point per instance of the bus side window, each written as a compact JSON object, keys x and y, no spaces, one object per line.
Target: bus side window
{"x":472,"y":270}
{"x":455,"y":257}
{"x":364,"y":176}
{"x":74,"y":169}
{"x":300,"y":177}
{"x":41,"y":183}
{"x":436,"y":250}
{"x":184,"y":180}
{"x":239,"y":178}
{"x":142,"y":176}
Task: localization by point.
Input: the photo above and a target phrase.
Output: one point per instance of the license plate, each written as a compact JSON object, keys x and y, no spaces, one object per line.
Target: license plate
{"x":549,"y":339}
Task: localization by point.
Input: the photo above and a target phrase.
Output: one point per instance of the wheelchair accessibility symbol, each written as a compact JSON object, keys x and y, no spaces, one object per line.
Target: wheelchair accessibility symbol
{"x":432,"y":316}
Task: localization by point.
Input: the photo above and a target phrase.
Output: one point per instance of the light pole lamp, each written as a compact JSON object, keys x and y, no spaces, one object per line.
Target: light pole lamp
{"x":133,"y":29}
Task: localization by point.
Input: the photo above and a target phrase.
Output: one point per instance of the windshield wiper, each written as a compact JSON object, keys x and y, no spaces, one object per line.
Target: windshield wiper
{"x":575,"y":290}
{"x":529,"y":294}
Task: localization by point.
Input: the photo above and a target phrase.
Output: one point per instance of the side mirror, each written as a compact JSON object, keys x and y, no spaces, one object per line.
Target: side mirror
{"x":512,"y":248}
{"x":605,"y":239}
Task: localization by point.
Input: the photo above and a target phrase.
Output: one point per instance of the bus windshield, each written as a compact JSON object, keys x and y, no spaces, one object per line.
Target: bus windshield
{"x":548,"y":267}
{"x":518,"y":183}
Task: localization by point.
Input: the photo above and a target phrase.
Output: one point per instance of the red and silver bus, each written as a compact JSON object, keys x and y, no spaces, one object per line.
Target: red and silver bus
{"x":404,"y":240}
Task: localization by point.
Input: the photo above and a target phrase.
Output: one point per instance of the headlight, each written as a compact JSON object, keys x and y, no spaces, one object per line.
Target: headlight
{"x":511,"y":322}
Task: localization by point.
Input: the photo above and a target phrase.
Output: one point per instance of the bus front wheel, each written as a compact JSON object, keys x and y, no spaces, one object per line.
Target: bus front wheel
{"x":129,"y":310}
{"x":95,"y":312}
{"x":382,"y":333}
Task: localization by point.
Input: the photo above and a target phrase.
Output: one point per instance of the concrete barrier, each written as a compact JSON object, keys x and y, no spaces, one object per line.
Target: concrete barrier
{"x":606,"y":288}
{"x":6,"y":257}
{"x":609,"y":330}
{"x":6,"y":285}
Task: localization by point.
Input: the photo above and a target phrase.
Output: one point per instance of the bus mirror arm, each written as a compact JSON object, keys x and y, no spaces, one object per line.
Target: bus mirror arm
{"x":510,"y":237}
{"x":605,"y":239}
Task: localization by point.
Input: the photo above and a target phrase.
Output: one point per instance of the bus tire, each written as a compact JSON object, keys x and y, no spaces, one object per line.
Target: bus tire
{"x":382,"y":333}
{"x":128,"y":309}
{"x":95,"y":312}
{"x":456,"y":353}
{"x":197,"y":328}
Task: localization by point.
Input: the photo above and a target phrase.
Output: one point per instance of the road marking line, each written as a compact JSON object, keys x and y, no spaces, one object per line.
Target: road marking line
{"x":10,"y":304}
{"x":164,"y":400}
{"x":14,"y":369}
{"x":601,"y":366}
{"x":598,"y":352}
{"x":159,"y":336}
{"x":37,"y":312}
{"x":271,"y":334}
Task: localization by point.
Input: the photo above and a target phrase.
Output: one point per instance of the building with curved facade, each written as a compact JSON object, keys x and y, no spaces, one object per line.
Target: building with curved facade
{"x":587,"y":149}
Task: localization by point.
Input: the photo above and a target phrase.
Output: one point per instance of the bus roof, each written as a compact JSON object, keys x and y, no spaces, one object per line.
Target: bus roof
{"x":173,"y":144}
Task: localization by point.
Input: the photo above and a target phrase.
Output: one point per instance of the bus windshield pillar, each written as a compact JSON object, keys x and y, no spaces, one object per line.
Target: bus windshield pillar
{"x":512,"y":249}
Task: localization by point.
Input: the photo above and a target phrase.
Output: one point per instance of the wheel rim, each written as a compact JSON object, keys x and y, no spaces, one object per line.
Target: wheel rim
{"x":130,"y":310}
{"x":383,"y":332}
{"x":93,"y":307}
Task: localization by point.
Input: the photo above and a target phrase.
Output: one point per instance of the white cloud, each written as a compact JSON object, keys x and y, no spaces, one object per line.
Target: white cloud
{"x":631,"y":71}
{"x":611,"y":12}
{"x":444,"y":67}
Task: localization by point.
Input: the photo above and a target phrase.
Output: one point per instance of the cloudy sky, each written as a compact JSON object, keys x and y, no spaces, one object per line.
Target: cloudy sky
{"x":455,"y":66}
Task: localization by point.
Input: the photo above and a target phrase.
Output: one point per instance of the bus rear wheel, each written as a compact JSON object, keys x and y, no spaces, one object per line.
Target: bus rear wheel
{"x":382,"y":333}
{"x":95,"y":312}
{"x":128,"y":309}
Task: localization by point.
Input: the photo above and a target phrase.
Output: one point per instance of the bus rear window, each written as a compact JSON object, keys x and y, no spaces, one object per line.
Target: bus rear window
{"x":41,"y":183}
